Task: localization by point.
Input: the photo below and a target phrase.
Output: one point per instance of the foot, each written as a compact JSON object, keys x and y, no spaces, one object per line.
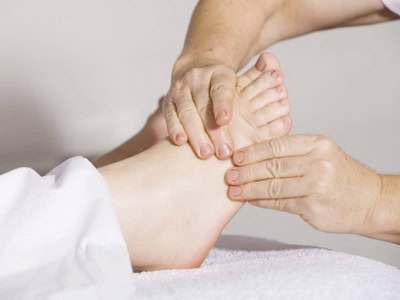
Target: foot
{"x":171,"y":205}
{"x":153,"y":132}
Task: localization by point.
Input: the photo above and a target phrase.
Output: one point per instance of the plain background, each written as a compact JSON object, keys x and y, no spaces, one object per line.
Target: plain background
{"x":78,"y":77}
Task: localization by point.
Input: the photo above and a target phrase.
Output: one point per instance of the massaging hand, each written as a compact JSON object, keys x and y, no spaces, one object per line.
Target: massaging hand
{"x":199,"y":103}
{"x":200,"y":95}
{"x":310,"y":176}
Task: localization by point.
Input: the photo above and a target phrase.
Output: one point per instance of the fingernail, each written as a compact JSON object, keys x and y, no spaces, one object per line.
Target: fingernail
{"x":221,"y":116}
{"x":238,"y":157}
{"x":260,"y":65}
{"x":282,"y":102}
{"x":233,"y":175}
{"x":180,"y":138}
{"x":279,"y":89}
{"x":235,"y":191}
{"x":275,"y":74}
{"x":224,"y":151}
{"x":206,"y":151}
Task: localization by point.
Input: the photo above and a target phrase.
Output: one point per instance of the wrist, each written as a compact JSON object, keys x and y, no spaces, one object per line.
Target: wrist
{"x":383,"y":222}
{"x":187,"y":61}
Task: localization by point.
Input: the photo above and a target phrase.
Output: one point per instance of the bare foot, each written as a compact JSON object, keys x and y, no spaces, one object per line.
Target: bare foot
{"x":154,"y":131}
{"x":171,"y":205}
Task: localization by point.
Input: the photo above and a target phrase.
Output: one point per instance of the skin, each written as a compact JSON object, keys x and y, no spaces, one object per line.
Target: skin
{"x":320,"y":183}
{"x":155,"y":129}
{"x":223,"y":36}
{"x":168,"y":219}
{"x":312,"y":177}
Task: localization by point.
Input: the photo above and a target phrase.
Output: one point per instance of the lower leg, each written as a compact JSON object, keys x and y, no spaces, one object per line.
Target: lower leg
{"x":154,"y":131}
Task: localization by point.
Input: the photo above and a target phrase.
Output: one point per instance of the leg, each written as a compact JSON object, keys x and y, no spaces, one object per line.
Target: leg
{"x":172,"y":206}
{"x":153,"y":132}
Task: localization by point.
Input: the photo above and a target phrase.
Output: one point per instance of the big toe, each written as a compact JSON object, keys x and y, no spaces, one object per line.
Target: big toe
{"x":266,"y":62}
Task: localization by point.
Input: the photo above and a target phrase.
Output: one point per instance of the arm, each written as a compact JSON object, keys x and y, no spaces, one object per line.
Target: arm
{"x":312,"y":177}
{"x":232,"y":32}
{"x":223,"y":36}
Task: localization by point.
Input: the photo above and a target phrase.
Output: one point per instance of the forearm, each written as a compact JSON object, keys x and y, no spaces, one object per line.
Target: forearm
{"x":384,"y":220}
{"x":225,"y":32}
{"x":232,"y":32}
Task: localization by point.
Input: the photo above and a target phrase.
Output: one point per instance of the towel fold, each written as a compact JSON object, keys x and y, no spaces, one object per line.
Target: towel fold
{"x":273,"y":271}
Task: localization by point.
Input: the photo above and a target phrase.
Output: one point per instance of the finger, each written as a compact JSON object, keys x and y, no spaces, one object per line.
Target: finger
{"x":220,"y":136}
{"x":268,"y":169}
{"x":191,"y":121}
{"x":269,"y":189}
{"x":266,"y":81}
{"x":222,"y":92}
{"x":268,"y":96}
{"x":175,"y":129}
{"x":292,"y":145}
{"x":271,"y":112}
{"x":290,"y":205}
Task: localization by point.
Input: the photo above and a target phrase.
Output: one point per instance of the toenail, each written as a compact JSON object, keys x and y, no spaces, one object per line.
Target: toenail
{"x":205,"y":151}
{"x":275,"y":74}
{"x":221,"y":116}
{"x":235,"y":191}
{"x":260,"y":65}
{"x":238,"y":157}
{"x":224,"y":151}
{"x":180,"y":138}
{"x":233,"y":175}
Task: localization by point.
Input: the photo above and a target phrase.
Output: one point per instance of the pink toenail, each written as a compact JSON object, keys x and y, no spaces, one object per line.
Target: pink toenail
{"x":235,"y":191}
{"x":275,"y":74}
{"x":233,"y":175}
{"x":205,"y":151}
{"x":238,"y":157}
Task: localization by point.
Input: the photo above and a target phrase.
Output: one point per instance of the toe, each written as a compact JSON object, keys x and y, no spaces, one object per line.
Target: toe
{"x":267,"y":97}
{"x":266,"y":81}
{"x":266,"y":62}
{"x":277,"y":128}
{"x":271,"y":112}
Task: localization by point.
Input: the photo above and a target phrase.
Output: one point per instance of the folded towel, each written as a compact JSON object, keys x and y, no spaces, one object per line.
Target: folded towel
{"x":249,"y":268}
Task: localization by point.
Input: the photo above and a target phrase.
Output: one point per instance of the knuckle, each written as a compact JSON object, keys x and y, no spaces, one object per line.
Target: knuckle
{"x":276,"y":146}
{"x":273,"y":168}
{"x":274,"y":189}
{"x":220,"y":88}
{"x":186,"y":112}
{"x":324,"y":145}
{"x":279,"y":204}
{"x":205,"y":110}
{"x":321,"y":186}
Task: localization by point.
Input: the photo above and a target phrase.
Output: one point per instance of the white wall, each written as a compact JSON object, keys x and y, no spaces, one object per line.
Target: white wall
{"x":77,"y":77}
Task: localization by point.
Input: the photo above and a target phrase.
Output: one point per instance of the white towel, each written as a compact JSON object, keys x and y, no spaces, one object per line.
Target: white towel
{"x":250,"y":268}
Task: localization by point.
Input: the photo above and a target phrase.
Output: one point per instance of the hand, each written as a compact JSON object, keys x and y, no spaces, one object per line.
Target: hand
{"x":198,"y":107}
{"x":310,"y":176}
